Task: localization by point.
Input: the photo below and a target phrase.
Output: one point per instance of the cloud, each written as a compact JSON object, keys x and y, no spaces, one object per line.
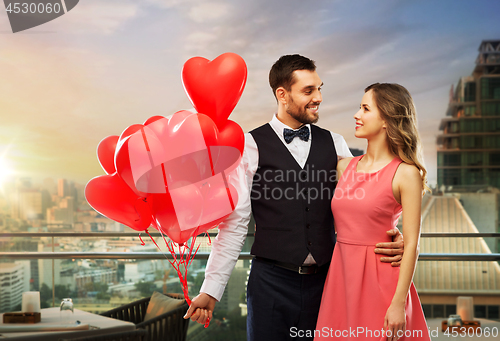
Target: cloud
{"x":100,"y":16}
{"x":167,"y":3}
{"x":197,"y":41}
{"x":109,"y":64}
{"x":59,"y":102}
{"x":209,"y":12}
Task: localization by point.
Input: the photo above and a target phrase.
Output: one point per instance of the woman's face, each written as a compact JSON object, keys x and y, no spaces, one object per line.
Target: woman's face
{"x":368,"y":120}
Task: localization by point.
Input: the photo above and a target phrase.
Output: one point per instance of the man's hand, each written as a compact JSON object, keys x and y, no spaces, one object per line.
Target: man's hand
{"x":394,"y":249}
{"x":201,"y":309}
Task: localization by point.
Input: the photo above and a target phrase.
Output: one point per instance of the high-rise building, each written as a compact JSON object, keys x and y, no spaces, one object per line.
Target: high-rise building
{"x":26,"y":204}
{"x":18,"y":244}
{"x":63,"y":213}
{"x":469,"y":147}
{"x":14,"y":280}
{"x":82,"y":278}
{"x":62,"y":188}
{"x":48,"y":268}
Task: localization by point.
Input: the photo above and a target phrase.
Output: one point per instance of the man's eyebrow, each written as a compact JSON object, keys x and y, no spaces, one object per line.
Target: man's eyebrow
{"x":309,"y":87}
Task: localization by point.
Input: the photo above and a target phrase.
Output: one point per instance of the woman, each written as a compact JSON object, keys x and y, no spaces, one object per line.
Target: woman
{"x":363,"y":298}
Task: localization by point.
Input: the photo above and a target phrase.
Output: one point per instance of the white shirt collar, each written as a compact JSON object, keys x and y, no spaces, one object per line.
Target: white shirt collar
{"x":278,"y":126}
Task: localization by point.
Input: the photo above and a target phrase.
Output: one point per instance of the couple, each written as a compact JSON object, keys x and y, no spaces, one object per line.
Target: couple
{"x":291,"y":291}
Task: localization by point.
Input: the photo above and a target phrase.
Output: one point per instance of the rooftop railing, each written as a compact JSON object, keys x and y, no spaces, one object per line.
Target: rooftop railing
{"x":205,"y":255}
{"x":70,"y":255}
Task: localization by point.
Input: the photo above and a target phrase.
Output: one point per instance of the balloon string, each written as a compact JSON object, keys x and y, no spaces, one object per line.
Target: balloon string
{"x":160,"y":249}
{"x":166,"y":243}
{"x":152,"y":239}
{"x":184,"y":259}
{"x":142,"y":241}
{"x":191,"y":257}
{"x":176,"y":264}
{"x":194,"y":255}
{"x":193,"y":242}
{"x":170,"y":249}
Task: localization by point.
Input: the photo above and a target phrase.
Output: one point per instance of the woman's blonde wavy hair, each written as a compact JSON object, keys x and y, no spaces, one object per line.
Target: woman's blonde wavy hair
{"x":396,"y":108}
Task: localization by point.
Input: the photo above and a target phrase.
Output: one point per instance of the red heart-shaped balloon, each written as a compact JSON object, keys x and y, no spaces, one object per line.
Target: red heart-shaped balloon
{"x":171,"y":173}
{"x":181,"y":165}
{"x":122,"y":157}
{"x":110,"y":196}
{"x":106,"y":153}
{"x":193,"y":211}
{"x":232,"y":135}
{"x":185,"y":147}
{"x":215,"y":87}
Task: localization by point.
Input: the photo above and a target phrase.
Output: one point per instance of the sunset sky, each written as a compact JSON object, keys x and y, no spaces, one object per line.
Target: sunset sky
{"x":106,"y":65}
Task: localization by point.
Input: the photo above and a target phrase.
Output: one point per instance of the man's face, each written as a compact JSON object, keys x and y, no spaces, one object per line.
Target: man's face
{"x":304,"y":97}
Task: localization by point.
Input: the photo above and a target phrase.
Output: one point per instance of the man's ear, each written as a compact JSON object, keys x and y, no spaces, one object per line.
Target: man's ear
{"x":281,"y":95}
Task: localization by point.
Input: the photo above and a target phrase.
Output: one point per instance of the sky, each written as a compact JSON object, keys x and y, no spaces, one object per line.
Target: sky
{"x":105,"y":65}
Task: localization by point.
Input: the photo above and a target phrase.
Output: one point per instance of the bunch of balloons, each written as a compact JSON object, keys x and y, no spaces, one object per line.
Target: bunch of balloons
{"x":172,"y":172}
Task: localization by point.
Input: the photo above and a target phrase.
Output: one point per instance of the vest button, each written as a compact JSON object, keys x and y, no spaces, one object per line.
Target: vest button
{"x":308,"y":225}
{"x":309,"y":243}
{"x":303,"y":176}
{"x":307,"y":209}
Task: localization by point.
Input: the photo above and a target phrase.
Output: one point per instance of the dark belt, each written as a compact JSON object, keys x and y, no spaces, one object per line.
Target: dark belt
{"x":303,"y":269}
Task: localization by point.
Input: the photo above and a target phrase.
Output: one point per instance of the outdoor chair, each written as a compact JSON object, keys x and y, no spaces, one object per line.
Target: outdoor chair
{"x":163,"y":320}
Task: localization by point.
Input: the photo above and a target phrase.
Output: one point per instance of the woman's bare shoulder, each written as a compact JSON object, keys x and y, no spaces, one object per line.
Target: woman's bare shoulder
{"x":408,"y":171}
{"x":408,"y":175}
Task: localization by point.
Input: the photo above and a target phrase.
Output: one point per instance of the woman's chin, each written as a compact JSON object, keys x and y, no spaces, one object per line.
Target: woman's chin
{"x":358,"y":135}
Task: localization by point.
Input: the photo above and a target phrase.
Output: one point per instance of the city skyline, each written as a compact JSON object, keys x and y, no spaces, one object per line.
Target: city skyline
{"x":104,"y":66}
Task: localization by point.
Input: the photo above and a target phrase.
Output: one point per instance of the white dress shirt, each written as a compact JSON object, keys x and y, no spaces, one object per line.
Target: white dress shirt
{"x":226,"y":247}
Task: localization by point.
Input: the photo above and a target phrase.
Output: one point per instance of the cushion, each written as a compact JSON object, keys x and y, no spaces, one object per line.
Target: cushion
{"x":161,"y":304}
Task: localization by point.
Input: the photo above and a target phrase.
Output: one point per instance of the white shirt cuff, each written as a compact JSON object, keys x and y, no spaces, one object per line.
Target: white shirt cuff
{"x":213,"y":289}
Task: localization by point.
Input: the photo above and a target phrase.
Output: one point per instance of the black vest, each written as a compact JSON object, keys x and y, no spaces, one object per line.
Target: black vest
{"x":292,"y":206}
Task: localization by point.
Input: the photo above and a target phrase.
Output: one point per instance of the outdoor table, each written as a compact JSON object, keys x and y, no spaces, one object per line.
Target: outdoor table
{"x":52,"y":328}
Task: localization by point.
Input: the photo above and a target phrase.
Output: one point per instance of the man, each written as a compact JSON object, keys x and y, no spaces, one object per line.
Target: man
{"x":286,"y":178}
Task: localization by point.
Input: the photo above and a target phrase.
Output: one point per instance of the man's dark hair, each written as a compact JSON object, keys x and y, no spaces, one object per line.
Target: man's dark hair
{"x":281,"y":73}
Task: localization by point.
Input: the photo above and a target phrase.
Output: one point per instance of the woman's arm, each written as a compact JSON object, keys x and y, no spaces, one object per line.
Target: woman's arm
{"x":409,"y":189}
{"x":342,"y":165}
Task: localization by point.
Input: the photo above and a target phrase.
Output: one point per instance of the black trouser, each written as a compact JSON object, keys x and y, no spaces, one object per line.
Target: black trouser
{"x":282,"y":304}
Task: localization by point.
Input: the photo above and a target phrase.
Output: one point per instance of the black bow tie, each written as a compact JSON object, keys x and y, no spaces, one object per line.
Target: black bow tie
{"x":302,"y":133}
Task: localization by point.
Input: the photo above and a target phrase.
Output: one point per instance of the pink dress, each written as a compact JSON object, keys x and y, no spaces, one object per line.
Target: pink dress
{"x":359,"y":287}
